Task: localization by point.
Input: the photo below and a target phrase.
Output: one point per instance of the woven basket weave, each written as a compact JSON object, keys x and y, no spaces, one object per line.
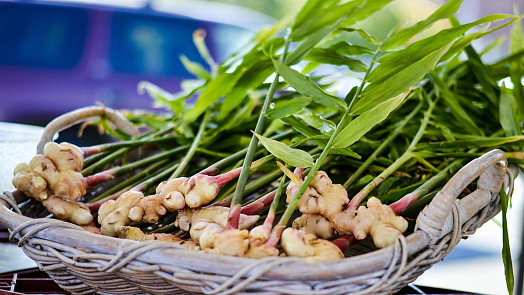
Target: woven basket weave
{"x":83,"y":263}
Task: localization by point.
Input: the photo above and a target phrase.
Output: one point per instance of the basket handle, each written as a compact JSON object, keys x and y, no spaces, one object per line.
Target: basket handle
{"x":74,"y":117}
{"x":491,"y":170}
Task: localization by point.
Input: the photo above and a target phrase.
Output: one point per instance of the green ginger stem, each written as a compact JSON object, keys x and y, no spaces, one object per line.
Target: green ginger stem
{"x":242,"y":180}
{"x":192,"y":149}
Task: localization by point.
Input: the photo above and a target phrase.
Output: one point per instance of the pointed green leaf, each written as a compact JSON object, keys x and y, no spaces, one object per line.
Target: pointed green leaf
{"x":195,"y":68}
{"x":350,"y":49}
{"x":365,"y":35}
{"x":506,"y":250}
{"x":325,"y":17}
{"x":375,"y":94}
{"x":281,"y":109}
{"x":300,"y":126}
{"x":400,"y":38}
{"x":463,"y":42}
{"x":508,"y":114}
{"x":324,"y":126}
{"x":392,"y":63}
{"x":307,"y":87}
{"x":309,"y":10}
{"x":451,"y":101}
{"x":214,"y":89}
{"x":363,"y":123}
{"x":346,"y":152}
{"x":309,"y":42}
{"x":516,"y":69}
{"x":294,"y":157}
{"x":364,"y":11}
{"x":163,"y":98}
{"x":330,"y":56}
{"x":483,"y":142}
{"x":251,"y":79}
{"x":487,"y":82}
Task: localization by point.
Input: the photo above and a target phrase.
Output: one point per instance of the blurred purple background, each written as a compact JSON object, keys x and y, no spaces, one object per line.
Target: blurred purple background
{"x":56,"y":57}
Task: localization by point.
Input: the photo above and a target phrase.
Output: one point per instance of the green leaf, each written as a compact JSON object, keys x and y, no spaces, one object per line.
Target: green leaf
{"x":309,"y":10}
{"x":369,"y":7}
{"x":367,"y":120}
{"x":195,"y":68}
{"x":324,"y":126}
{"x":375,"y":94}
{"x":332,"y":57}
{"x":294,"y":157}
{"x":483,"y":142}
{"x":400,"y":38}
{"x":307,"y":87}
{"x":506,"y":251}
{"x":251,"y":79}
{"x":299,"y":126}
{"x":508,"y":114}
{"x":516,"y":68}
{"x":365,"y":35}
{"x":346,"y":152}
{"x":350,"y":49}
{"x":303,"y":49}
{"x":488,"y":83}
{"x":164,"y":98}
{"x":394,"y":62}
{"x":325,"y":17}
{"x":463,"y":42}
{"x":214,"y":89}
{"x":451,"y":101}
{"x":286,"y":108}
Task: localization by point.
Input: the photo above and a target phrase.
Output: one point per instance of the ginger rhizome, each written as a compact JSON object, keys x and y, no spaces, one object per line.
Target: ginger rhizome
{"x":301,"y":244}
{"x":56,"y":172}
{"x":321,"y":197}
{"x":193,"y":192}
{"x":54,"y":179}
{"x":115,"y":213}
{"x":321,"y":201}
{"x":134,"y":233}
{"x":377,"y":220}
{"x":206,"y":226}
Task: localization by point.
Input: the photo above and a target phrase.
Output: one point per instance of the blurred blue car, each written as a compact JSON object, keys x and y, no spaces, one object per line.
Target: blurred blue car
{"x":58,"y":56}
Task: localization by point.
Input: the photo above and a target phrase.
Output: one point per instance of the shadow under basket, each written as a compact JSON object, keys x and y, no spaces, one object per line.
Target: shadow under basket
{"x":83,"y":263}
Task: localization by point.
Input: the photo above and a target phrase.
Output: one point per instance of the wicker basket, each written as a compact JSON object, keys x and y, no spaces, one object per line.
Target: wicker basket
{"x":83,"y":263}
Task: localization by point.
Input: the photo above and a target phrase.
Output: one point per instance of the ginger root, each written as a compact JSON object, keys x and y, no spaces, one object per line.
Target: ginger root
{"x":195,"y":191}
{"x":216,"y":214}
{"x":214,"y":238}
{"x":322,"y":196}
{"x":376,"y":219}
{"x":259,"y":236}
{"x":315,"y":224}
{"x":149,"y":209}
{"x":134,"y":233}
{"x":115,"y":213}
{"x":207,"y":227}
{"x":305,"y":245}
{"x":54,"y":179}
{"x":65,"y":156}
{"x":75,"y":212}
{"x":170,"y":194}
{"x":321,"y":201}
{"x":30,"y":184}
{"x":59,"y":167}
